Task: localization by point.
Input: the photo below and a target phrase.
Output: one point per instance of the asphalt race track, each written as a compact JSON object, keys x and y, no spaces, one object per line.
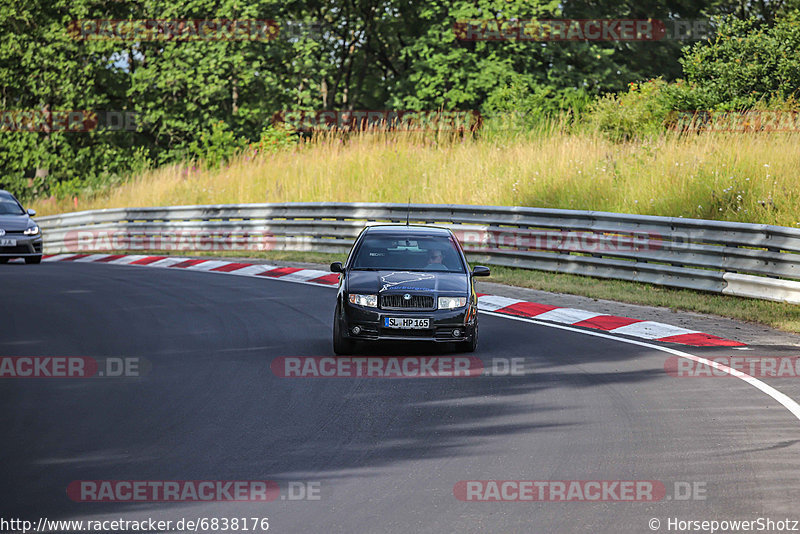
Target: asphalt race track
{"x":385,"y":454}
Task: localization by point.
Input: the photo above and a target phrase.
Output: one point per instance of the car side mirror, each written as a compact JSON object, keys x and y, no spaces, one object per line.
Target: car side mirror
{"x":31,"y":212}
{"x":337,"y":267}
{"x":480,"y":270}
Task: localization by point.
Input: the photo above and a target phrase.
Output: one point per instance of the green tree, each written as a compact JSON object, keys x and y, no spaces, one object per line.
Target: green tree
{"x":43,"y":68}
{"x":747,"y":63}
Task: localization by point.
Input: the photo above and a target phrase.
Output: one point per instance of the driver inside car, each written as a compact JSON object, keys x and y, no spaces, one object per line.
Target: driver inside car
{"x":435,"y":260}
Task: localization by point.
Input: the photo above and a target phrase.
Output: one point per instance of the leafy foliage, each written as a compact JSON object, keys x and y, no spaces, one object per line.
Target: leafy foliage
{"x":748,"y":63}
{"x":641,"y":111}
{"x":209,"y":99}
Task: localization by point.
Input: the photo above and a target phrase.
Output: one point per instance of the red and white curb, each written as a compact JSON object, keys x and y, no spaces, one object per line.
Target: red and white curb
{"x":650,"y":330}
{"x":613,"y":324}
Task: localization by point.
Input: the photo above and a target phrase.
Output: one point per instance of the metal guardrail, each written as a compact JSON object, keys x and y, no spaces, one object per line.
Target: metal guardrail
{"x":750,"y":260}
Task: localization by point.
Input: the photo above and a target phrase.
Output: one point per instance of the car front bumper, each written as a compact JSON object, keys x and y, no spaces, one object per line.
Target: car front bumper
{"x":25,"y":247}
{"x":442,"y":324}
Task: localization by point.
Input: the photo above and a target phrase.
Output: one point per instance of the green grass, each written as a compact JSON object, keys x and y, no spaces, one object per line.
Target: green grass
{"x":735,"y":177}
{"x":780,"y":315}
{"x":274,"y":255}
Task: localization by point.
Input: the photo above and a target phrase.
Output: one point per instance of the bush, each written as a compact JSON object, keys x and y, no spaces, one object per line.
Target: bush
{"x":641,"y":111}
{"x":516,"y":106}
{"x":746,"y":65}
{"x":216,"y":147}
{"x":275,"y":138}
{"x":105,"y":166}
{"x":74,"y":163}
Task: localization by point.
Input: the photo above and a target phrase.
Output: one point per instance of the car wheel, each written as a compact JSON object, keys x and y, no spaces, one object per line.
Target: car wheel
{"x":341,"y":345}
{"x":470,"y":346}
{"x":34,"y":260}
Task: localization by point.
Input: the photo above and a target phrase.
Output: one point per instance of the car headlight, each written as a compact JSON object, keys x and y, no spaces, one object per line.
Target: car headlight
{"x":449,"y":303}
{"x":371,"y":301}
{"x":33,"y":230}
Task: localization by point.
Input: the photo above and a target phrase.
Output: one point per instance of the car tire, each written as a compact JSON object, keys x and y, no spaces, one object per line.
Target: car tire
{"x":469,"y":346}
{"x":33,"y":260}
{"x":341,"y":345}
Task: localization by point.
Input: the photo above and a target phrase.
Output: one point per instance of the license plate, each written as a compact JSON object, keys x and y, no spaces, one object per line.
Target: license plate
{"x":406,"y":323}
{"x":8,"y":242}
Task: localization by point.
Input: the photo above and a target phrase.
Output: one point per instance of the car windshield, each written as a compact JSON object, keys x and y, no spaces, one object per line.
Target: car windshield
{"x":408,"y":253}
{"x":9,"y":206}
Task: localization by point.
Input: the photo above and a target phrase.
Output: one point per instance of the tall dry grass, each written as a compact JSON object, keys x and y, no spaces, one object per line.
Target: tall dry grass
{"x":736,"y":177}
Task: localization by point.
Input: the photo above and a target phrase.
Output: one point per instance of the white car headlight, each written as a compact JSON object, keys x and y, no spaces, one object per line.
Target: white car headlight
{"x":449,"y":303}
{"x":371,"y":301}
{"x":32,"y":230}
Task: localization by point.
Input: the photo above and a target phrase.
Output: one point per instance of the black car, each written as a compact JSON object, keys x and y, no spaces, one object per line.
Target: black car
{"x":20,"y":237}
{"x":406,"y":283}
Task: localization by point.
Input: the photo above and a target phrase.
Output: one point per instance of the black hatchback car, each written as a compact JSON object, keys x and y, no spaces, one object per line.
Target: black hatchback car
{"x":20,"y":237}
{"x":406,"y":283}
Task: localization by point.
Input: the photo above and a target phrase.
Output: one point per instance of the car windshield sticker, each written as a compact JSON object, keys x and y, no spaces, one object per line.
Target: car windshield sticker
{"x":394,"y":279}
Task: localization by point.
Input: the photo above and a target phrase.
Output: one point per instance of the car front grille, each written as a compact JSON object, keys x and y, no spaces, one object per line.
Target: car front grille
{"x":19,"y":249}
{"x":416,"y":302}
{"x":396,"y":332}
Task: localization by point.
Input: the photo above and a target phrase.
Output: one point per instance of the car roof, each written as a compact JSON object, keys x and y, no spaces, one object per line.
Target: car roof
{"x":411,"y":229}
